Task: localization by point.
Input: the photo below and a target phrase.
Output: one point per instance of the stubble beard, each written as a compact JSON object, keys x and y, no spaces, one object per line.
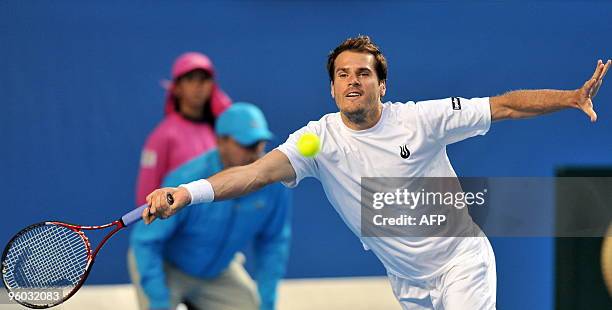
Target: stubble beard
{"x":360,"y":115}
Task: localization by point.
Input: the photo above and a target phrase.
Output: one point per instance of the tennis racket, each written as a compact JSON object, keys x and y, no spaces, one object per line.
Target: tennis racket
{"x":47,"y":263}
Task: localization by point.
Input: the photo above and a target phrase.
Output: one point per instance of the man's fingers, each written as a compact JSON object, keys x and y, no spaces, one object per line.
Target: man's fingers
{"x":593,"y":116}
{"x":588,"y":86}
{"x":595,"y":89}
{"x":598,"y":70}
{"x":597,"y":85}
{"x":587,"y":108}
{"x":148,"y":219}
{"x":152,"y":209}
{"x":605,"y":69}
{"x":159,"y":207}
{"x":147,"y":216}
{"x":163,"y":202}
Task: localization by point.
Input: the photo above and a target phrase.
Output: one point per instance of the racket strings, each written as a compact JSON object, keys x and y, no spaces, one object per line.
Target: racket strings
{"x":46,"y":256}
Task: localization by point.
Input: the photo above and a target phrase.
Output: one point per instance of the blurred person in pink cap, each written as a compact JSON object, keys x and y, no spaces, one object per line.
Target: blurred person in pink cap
{"x":193,"y":103}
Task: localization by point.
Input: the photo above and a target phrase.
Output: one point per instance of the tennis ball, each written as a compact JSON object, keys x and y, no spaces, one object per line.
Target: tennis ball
{"x":309,"y":144}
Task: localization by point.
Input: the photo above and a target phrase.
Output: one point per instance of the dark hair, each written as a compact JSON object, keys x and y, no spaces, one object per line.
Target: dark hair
{"x":207,"y":117}
{"x":361,"y":44}
{"x":198,"y":73}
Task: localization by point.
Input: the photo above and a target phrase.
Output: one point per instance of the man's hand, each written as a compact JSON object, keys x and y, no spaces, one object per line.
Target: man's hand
{"x":529,"y":103}
{"x":588,"y":91}
{"x":160,"y":207}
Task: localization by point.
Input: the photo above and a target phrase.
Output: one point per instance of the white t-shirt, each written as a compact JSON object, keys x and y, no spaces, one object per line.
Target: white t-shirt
{"x":348,"y":155}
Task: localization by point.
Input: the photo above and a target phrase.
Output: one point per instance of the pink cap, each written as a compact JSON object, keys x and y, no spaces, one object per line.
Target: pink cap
{"x":191,"y":61}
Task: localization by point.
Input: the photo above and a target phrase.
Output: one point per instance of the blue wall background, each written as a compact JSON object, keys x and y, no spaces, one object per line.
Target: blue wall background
{"x":79,"y":93}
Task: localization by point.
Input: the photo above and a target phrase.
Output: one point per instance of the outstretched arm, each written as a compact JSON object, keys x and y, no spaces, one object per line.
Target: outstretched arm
{"x":239,"y":181}
{"x":528,"y":103}
{"x":230,"y":183}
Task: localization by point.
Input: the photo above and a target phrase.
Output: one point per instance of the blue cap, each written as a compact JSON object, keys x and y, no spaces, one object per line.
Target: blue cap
{"x":244,"y":122}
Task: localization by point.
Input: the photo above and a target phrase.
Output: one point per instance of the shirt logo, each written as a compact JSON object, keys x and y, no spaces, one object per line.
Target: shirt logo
{"x":404,"y":151}
{"x":456,"y":103}
{"x":148,"y":159}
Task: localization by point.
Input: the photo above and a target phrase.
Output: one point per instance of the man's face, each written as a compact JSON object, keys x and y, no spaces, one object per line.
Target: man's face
{"x":234,"y":154}
{"x":194,"y":88}
{"x":355,"y":86}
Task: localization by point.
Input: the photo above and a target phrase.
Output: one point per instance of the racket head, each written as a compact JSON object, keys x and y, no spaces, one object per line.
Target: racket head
{"x":46,"y":256}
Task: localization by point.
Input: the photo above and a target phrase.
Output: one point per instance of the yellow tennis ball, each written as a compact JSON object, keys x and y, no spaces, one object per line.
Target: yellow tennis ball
{"x":309,"y":144}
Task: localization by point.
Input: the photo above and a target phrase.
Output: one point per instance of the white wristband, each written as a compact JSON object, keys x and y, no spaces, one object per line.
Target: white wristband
{"x":201,"y":191}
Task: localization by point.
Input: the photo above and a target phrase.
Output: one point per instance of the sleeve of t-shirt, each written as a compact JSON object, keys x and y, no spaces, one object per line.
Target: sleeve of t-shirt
{"x":153,"y":165}
{"x":454,"y":119}
{"x":303,"y":166}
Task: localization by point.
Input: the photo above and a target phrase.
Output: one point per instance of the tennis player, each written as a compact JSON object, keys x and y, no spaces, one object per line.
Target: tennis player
{"x":362,"y":140}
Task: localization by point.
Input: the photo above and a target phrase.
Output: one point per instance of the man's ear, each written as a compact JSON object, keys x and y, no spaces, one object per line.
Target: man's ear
{"x":331,"y":86}
{"x":222,"y":140}
{"x":383,"y":88}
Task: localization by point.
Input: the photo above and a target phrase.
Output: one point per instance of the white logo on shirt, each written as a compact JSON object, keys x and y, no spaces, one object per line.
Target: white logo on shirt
{"x":148,"y":159}
{"x":456,"y":103}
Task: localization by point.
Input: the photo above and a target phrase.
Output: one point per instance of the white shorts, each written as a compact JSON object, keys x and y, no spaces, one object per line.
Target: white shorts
{"x":471,"y":283}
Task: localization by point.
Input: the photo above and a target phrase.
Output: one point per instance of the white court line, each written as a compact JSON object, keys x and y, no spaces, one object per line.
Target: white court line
{"x":363,"y":293}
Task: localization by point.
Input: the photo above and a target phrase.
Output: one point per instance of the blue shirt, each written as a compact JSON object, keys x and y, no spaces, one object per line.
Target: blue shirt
{"x":201,"y":240}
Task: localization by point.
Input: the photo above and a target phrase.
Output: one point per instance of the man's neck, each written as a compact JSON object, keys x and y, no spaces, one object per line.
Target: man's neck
{"x":371,"y":119}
